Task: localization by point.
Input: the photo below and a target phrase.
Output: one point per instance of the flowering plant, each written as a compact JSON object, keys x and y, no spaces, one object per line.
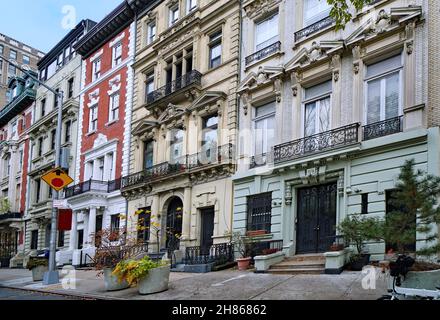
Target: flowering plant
{"x":135,"y":270}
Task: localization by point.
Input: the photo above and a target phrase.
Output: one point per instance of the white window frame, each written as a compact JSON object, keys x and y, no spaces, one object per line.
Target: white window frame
{"x":257,"y":23}
{"x":96,"y":69}
{"x":93,"y":118}
{"x":172,"y":10}
{"x":114,"y":109}
{"x":382,"y":76}
{"x":316,"y":99}
{"x":189,"y":7}
{"x":256,"y":119}
{"x":151,"y":37}
{"x":320,"y":14}
{"x":117,"y":54}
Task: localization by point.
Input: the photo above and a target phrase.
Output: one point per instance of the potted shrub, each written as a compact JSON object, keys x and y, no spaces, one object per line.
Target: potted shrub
{"x":149,"y":276}
{"x":38,"y":266}
{"x":244,"y":247}
{"x":356,"y":232}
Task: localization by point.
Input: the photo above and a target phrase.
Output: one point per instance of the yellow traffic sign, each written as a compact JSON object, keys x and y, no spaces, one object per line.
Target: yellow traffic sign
{"x":57,"y":179}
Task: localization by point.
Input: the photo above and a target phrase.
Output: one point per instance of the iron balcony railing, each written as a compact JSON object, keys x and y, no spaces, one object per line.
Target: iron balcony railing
{"x":217,"y":253}
{"x":186,"y":164}
{"x":316,"y":143}
{"x":193,"y":77}
{"x":10,"y":215}
{"x":274,"y":47}
{"x":383,"y":128}
{"x":92,"y":185}
{"x":313,"y":28}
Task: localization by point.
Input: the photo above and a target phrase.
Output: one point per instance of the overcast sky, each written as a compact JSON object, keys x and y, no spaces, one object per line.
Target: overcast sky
{"x":42,"y":23}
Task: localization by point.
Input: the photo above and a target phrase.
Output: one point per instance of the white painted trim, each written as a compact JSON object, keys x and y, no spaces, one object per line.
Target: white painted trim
{"x":117,"y":40}
{"x":97,"y":55}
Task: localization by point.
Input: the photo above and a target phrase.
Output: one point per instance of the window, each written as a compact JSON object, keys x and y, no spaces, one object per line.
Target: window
{"x":264,"y":131}
{"x":7,"y":165}
{"x":149,"y":84}
{"x":114,"y":107}
{"x":383,"y":89}
{"x":144,"y":218}
{"x":93,"y":118}
{"x":34,"y":239}
{"x":315,"y":10}
{"x":259,"y":213}
{"x":20,"y":160}
{"x":110,"y":158}
{"x":67,"y":132}
{"x":114,"y":223}
{"x":176,"y":145}
{"x":209,"y":139}
{"x":80,"y":240}
{"x":37,"y":190}
{"x":43,"y":108}
{"x":70,"y":88}
{"x":215,"y":49}
{"x":117,"y":54}
{"x":51,"y":69}
{"x":100,"y":172}
{"x":53,"y":139}
{"x":317,"y":108}
{"x":13,"y":55}
{"x":11,"y":70}
{"x":266,"y":32}
{"x":364,"y":203}
{"x":26,"y":60}
{"x":14,"y":129}
{"x":148,"y":154}
{"x":60,"y":60}
{"x":1,"y":68}
{"x":151,"y":32}
{"x":61,"y":238}
{"x":190,"y":5}
{"x":174,"y":15}
{"x":96,"y":69}
{"x":40,"y":147}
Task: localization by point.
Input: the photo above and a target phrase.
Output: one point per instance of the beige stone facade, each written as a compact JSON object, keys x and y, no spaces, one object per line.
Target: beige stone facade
{"x":184,"y":120}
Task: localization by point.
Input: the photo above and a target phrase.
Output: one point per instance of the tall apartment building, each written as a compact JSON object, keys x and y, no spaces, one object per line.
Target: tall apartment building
{"x":328,"y":117}
{"x":184,"y":119}
{"x":59,"y":69}
{"x":15,"y":120}
{"x":104,"y":123}
{"x":19,"y":53}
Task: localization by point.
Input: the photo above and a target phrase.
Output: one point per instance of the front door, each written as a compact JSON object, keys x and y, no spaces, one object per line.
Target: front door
{"x":174,"y":224}
{"x":98,"y":231}
{"x":207,"y":230}
{"x":316,"y":223}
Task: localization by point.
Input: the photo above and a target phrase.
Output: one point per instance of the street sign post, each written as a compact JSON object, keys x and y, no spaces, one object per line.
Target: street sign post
{"x":57,"y":179}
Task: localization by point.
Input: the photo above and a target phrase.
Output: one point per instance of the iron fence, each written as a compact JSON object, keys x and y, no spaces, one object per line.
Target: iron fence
{"x":217,"y":253}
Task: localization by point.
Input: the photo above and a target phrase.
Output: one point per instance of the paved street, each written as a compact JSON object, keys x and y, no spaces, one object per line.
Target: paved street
{"x":17,"y":294}
{"x":222,"y":285}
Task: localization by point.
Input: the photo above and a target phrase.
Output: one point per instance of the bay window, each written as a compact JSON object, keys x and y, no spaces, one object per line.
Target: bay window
{"x":383,"y":90}
{"x":266,"y":32}
{"x":315,"y":10}
{"x":317,"y":111}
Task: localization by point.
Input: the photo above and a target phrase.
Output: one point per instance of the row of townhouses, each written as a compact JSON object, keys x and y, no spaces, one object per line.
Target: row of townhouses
{"x":204,"y":117}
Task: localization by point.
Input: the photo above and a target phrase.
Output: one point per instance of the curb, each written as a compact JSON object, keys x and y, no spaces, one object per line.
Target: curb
{"x":67,"y":294}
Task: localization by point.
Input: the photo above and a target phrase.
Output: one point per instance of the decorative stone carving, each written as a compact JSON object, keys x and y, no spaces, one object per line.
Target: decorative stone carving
{"x":409,"y":47}
{"x":245,"y":100}
{"x":278,"y":89}
{"x":259,"y":7}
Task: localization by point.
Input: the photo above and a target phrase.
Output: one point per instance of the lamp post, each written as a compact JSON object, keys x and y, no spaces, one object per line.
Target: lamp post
{"x":52,"y":276}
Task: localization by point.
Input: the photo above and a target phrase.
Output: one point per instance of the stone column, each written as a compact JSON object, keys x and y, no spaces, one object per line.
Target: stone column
{"x":73,"y":232}
{"x":155,"y":212}
{"x":186,"y":222}
{"x":85,"y":228}
{"x":91,"y":225}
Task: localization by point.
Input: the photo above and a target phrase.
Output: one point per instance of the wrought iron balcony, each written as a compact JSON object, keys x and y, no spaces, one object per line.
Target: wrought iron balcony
{"x":274,"y":47}
{"x":10,"y":215}
{"x":92,"y":185}
{"x":316,"y":143}
{"x":186,"y":164}
{"x":383,"y":128}
{"x":191,"y":78}
{"x":218,"y":253}
{"x":313,"y":28}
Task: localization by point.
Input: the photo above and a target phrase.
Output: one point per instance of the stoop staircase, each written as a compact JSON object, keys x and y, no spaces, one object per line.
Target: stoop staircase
{"x":300,"y":264}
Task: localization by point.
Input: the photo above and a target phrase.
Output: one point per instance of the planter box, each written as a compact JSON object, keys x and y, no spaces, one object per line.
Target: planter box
{"x":336,"y":260}
{"x":428,"y":280}
{"x":263,"y":263}
{"x":112,"y":283}
{"x":156,"y":281}
{"x":256,"y":233}
{"x":38,"y":273}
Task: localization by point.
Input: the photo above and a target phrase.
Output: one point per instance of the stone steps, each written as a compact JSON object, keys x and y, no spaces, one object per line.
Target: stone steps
{"x":300,"y":264}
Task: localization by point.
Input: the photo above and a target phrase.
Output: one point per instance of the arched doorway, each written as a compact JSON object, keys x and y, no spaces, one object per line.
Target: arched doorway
{"x":174,"y":224}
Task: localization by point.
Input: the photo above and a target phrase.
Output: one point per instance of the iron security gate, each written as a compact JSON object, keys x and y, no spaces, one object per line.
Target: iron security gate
{"x":316,"y":223}
{"x":8,"y":248}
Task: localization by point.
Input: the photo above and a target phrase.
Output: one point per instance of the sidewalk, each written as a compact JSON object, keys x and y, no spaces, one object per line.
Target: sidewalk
{"x":222,"y":285}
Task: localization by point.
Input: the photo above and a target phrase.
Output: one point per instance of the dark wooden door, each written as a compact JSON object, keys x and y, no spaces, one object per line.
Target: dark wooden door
{"x":98,"y":229}
{"x":316,"y":223}
{"x":207,"y":230}
{"x":80,"y":239}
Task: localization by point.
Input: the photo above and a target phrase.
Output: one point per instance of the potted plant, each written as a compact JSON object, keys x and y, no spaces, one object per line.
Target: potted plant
{"x":149,"y":276}
{"x":356,"y":232}
{"x":244,"y":247}
{"x":38,"y":266}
